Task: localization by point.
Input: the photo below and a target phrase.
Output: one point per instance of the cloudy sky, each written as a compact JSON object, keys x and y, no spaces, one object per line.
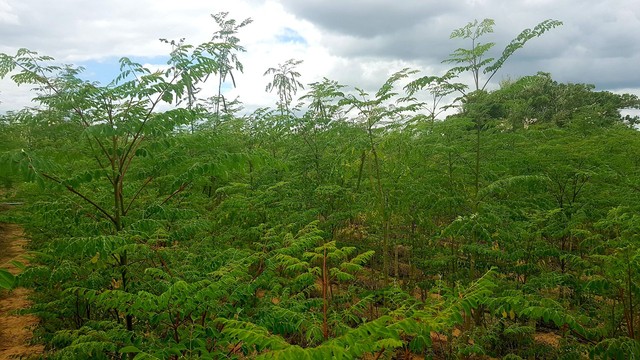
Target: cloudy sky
{"x":356,"y":42}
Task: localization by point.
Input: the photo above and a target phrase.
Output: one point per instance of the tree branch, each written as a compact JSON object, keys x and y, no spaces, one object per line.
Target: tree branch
{"x":84,"y":197}
{"x":136,"y":195}
{"x":179,"y":190}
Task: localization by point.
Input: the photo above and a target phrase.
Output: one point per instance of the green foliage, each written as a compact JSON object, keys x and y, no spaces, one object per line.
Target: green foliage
{"x":539,"y":100}
{"x":473,"y":60}
{"x":285,"y":81}
{"x":227,"y":57}
{"x":354,"y":225}
{"x":6,"y":279}
{"x":619,"y":348}
{"x":118,"y":117}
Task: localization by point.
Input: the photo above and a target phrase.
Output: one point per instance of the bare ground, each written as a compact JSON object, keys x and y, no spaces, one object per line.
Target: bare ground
{"x":15,"y":329}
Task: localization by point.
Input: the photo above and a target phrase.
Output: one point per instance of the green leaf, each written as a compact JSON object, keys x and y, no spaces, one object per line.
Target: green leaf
{"x":7,"y":280}
{"x":129,"y":349}
{"x":167,"y":97}
{"x":18,"y":264}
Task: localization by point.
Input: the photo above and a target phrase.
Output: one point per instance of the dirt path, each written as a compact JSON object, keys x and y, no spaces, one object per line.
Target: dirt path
{"x":15,"y":330}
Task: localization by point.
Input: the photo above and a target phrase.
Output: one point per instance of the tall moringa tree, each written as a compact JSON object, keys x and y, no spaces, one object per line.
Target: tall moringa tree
{"x":227,"y":56}
{"x":475,"y":60}
{"x":323,"y":108}
{"x":285,"y":82}
{"x":117,"y":118}
{"x":376,"y":112}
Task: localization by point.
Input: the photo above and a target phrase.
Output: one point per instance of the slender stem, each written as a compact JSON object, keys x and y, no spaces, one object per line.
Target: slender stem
{"x":84,"y":197}
{"x":325,"y":324}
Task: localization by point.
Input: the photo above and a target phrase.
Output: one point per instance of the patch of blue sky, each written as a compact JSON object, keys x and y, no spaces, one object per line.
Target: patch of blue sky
{"x":106,"y":70}
{"x":227,"y":85}
{"x":288,"y":35}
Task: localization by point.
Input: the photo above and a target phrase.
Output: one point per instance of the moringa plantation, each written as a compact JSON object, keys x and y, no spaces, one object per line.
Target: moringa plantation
{"x":340,"y":223}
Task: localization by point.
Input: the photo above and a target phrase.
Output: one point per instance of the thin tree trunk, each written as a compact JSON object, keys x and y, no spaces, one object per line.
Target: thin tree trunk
{"x":325,"y":324}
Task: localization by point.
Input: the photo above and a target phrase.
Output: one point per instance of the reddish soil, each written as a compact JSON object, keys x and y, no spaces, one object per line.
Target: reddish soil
{"x":15,"y":329}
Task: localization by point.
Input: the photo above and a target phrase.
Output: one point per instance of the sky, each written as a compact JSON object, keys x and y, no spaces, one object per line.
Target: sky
{"x":359,"y":43}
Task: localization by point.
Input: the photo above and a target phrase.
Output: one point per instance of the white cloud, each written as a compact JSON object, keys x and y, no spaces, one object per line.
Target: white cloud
{"x":7,"y":14}
{"x":75,"y":32}
{"x":356,"y":43}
